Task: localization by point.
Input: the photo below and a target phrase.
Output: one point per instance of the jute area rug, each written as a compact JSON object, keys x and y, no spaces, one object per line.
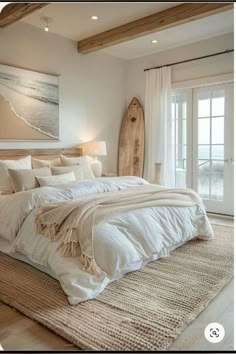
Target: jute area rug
{"x":146,"y":310}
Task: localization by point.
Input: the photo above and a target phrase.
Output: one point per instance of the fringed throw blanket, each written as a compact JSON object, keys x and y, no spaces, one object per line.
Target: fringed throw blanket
{"x":73,"y":222}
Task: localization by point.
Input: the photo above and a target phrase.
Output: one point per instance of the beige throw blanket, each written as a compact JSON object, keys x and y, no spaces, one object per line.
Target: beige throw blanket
{"x":73,"y":222}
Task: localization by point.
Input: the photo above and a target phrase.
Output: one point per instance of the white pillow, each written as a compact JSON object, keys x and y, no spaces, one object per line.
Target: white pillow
{"x":6,"y":186}
{"x":23,"y":180}
{"x":37,"y":163}
{"x":23,"y":164}
{"x":60,"y":170}
{"x":56,"y":180}
{"x":82,"y":161}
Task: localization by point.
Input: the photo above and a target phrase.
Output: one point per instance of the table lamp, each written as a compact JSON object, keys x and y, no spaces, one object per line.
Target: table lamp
{"x":95,"y":149}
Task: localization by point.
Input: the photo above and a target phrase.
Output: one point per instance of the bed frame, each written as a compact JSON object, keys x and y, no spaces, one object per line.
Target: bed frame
{"x":46,"y":154}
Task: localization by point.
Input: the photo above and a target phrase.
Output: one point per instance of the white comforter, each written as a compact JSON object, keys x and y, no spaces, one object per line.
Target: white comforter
{"x":122,"y":243}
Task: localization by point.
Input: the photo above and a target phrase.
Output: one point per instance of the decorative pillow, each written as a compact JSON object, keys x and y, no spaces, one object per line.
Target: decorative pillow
{"x":23,"y":180}
{"x":6,"y":186}
{"x":55,"y":180}
{"x":82,"y":161}
{"x":37,"y":163}
{"x":77,"y":169}
{"x":5,"y":180}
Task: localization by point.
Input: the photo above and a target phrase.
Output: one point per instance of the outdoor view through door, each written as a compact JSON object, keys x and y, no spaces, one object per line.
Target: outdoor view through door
{"x":204,"y":144}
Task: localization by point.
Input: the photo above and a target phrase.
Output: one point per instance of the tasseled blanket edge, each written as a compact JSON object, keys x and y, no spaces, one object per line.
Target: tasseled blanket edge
{"x":90,"y":265}
{"x":69,"y":247}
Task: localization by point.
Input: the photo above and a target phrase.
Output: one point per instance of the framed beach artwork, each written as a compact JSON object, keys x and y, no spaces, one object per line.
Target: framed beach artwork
{"x":29,"y":105}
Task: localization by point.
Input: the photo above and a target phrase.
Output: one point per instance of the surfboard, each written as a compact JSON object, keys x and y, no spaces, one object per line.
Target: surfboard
{"x":131,"y":142}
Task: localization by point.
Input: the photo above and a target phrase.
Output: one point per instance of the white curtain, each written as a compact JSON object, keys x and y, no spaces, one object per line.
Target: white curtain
{"x":159,"y":145}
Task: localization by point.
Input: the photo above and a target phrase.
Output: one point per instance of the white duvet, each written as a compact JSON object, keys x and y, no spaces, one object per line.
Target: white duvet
{"x":122,"y":243}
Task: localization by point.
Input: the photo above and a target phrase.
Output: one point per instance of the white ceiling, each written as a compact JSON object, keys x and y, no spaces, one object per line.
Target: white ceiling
{"x":73,"y":21}
{"x":177,"y":36}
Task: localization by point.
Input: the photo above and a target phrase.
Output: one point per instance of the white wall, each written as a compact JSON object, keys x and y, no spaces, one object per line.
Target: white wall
{"x":96,"y":88}
{"x":92,"y":97}
{"x":223,"y":64}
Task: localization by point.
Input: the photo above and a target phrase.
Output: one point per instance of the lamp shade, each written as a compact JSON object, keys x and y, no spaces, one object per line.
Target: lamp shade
{"x":94,"y":148}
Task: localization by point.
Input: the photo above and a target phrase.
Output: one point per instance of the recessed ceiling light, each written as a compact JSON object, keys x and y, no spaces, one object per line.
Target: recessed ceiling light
{"x":94,"y":18}
{"x":154,"y":41}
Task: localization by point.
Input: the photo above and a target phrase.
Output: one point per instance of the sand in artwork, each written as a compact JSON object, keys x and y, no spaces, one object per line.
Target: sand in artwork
{"x":32,"y":98}
{"x":14,"y":128}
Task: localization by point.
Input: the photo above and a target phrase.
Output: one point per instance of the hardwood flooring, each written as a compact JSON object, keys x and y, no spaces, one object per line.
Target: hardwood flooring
{"x":18,"y":332}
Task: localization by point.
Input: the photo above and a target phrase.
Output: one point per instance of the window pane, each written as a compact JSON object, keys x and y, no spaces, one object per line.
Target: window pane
{"x":217,"y":167}
{"x":217,"y":186}
{"x":217,"y":152}
{"x":204,"y":166}
{"x":218,"y":103}
{"x":218,"y":130}
{"x":204,"y":131}
{"x":204,"y":152}
{"x":180,"y":178}
{"x":203,"y":184}
{"x":204,"y":107}
{"x":180,"y":155}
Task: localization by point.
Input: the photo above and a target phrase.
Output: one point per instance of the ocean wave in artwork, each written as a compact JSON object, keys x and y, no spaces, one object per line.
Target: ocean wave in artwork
{"x":33,"y":101}
{"x":27,"y":123}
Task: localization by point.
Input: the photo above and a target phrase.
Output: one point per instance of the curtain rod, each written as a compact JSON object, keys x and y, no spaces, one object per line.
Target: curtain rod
{"x":188,"y":60}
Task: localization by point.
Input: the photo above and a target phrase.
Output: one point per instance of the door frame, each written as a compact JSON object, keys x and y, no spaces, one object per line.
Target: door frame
{"x":213,"y":206}
{"x":187,"y":88}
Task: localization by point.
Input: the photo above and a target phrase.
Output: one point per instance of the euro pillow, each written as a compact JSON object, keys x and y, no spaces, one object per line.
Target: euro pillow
{"x":23,"y":180}
{"x":81,"y":161}
{"x":6,"y":186}
{"x":37,"y":163}
{"x":59,"y":170}
{"x":56,"y":180}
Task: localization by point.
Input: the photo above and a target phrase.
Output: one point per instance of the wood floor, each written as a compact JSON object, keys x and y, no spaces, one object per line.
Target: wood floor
{"x":18,"y":332}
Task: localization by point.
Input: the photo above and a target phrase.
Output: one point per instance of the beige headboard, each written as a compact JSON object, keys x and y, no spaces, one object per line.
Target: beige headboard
{"x":11,"y":154}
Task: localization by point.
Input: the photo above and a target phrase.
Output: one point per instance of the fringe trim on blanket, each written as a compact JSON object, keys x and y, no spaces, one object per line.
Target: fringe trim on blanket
{"x":70,"y":246}
{"x":89,"y":265}
{"x":51,"y":231}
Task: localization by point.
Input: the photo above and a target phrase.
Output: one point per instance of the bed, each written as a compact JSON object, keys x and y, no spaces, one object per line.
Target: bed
{"x":123,"y":241}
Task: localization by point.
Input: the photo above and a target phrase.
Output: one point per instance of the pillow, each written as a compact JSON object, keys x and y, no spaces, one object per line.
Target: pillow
{"x":37,"y":163}
{"x":6,"y":186}
{"x":55,"y":180}
{"x":5,"y":180}
{"x":23,"y":180}
{"x":24,"y":163}
{"x":82,"y":161}
{"x":78,"y":171}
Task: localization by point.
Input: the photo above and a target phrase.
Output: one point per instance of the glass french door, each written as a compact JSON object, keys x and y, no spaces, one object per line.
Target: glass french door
{"x":204,"y":144}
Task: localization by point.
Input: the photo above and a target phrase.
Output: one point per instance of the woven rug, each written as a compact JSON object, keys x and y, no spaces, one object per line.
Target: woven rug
{"x":146,"y":310}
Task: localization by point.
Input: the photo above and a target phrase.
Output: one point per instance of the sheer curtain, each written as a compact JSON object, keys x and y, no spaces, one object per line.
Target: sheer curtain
{"x":159,"y":145}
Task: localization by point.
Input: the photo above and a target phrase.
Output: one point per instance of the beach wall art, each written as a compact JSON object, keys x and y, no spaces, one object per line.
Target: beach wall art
{"x":29,"y":105}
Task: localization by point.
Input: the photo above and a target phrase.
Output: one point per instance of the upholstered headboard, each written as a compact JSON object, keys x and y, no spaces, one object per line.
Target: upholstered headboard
{"x":11,"y":154}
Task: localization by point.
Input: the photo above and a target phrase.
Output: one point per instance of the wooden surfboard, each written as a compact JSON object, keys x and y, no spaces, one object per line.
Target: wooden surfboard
{"x":131,"y":143}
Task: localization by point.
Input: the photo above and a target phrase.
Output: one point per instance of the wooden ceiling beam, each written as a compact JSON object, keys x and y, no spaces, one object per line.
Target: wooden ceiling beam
{"x":157,"y":22}
{"x":16,"y":11}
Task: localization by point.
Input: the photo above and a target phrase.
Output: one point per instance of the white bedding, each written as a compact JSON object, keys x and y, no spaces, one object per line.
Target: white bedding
{"x":122,"y":243}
